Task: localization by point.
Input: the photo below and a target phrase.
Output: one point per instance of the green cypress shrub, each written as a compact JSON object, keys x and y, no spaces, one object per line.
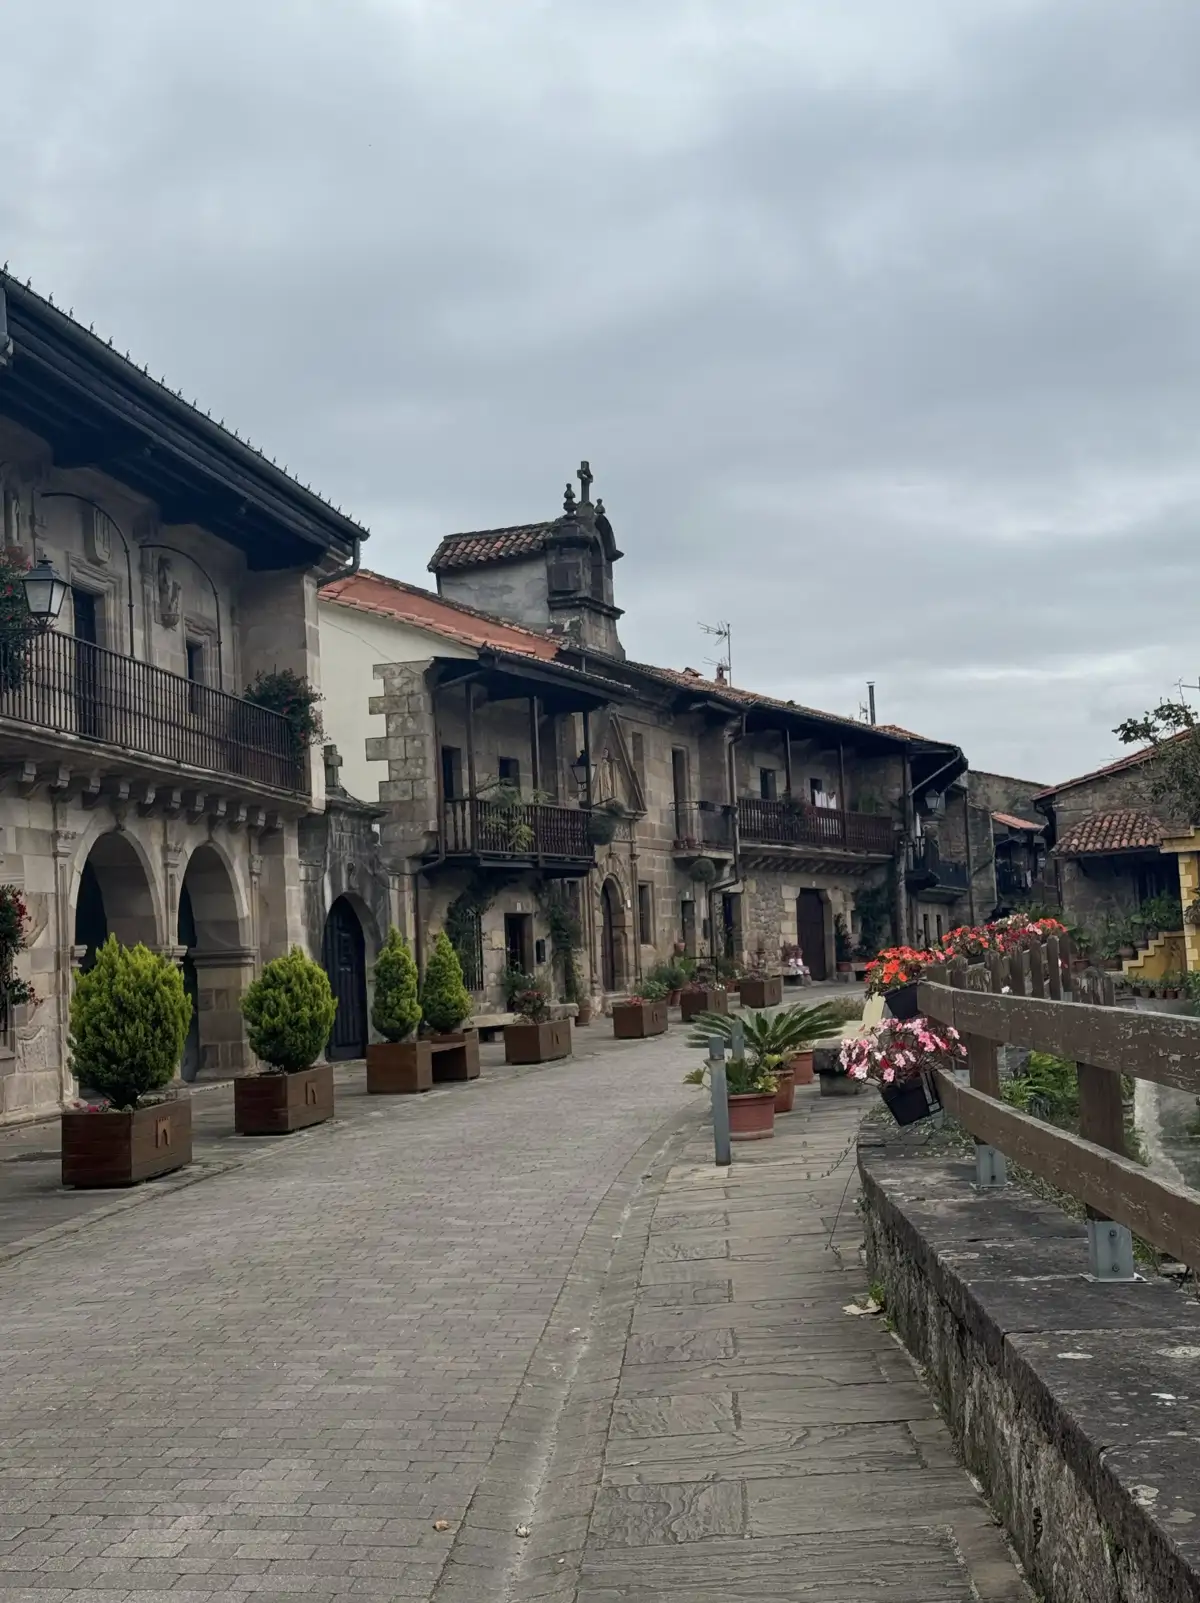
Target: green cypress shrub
{"x":289,"y":1012}
{"x":129,"y":1021}
{"x":445,"y":1000}
{"x":395,"y":1011}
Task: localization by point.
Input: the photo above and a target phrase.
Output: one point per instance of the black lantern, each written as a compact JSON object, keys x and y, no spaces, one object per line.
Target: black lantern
{"x":582,"y":770}
{"x":45,"y":593}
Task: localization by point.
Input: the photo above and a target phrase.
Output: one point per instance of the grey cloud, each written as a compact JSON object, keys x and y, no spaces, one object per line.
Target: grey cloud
{"x":878,"y":323}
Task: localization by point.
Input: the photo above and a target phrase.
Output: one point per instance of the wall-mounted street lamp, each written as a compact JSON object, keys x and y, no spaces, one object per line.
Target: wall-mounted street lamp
{"x":45,"y":593}
{"x":582,"y":770}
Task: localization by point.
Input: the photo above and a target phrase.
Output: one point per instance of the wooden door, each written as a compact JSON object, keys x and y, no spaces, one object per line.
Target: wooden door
{"x":344,"y":959}
{"x":610,"y":966}
{"x":810,"y":932}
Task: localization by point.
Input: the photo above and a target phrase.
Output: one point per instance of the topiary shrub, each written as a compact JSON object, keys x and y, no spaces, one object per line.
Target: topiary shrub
{"x":129,"y":1021}
{"x":395,"y":1011}
{"x":445,"y":1000}
{"x":289,"y":1012}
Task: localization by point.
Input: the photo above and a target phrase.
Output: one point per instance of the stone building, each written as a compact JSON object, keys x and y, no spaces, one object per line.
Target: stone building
{"x":1105,"y":840}
{"x":741,"y":826}
{"x":993,"y":829}
{"x":143,"y":795}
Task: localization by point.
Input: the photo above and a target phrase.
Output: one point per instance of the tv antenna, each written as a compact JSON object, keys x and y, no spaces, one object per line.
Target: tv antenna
{"x":723,"y":663}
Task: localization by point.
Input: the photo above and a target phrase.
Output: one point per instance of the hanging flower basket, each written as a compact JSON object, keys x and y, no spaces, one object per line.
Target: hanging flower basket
{"x":911,"y":1100}
{"x":901,"y":1055}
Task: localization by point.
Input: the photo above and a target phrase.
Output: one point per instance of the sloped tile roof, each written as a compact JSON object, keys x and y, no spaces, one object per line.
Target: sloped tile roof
{"x":489,"y":545}
{"x":1134,"y":760}
{"x":392,"y":598}
{"x":1125,"y":831}
{"x":1011,"y":821}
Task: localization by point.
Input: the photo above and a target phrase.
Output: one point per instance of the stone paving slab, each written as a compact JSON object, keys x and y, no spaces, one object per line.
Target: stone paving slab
{"x":765,"y":1443}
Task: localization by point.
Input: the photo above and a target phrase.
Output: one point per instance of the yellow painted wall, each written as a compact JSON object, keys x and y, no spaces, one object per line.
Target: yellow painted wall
{"x":1186,"y":851}
{"x":1165,"y":955}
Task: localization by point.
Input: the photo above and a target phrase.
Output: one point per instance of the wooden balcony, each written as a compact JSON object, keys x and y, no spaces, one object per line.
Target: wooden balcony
{"x":702,"y":828}
{"x":54,"y":685}
{"x":933,"y":876}
{"x":805,"y":828}
{"x":518,"y":834}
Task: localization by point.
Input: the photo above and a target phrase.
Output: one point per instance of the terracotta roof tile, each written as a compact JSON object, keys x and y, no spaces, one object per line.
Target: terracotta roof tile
{"x":1011,"y":821}
{"x":392,"y":598}
{"x":489,"y":545}
{"x":1134,"y":760}
{"x":1125,"y":831}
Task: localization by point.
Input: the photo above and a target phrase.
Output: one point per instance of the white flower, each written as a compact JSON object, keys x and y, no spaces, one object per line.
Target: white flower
{"x":1006,"y":990}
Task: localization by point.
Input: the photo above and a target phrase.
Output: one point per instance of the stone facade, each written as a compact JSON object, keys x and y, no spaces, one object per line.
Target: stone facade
{"x":140,"y":795}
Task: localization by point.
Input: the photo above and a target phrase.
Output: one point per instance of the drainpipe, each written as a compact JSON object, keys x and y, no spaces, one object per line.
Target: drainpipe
{"x":735,"y":874}
{"x":352,"y":567}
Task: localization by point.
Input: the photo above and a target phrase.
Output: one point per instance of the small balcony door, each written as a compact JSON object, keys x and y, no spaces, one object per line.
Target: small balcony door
{"x":85,"y":607}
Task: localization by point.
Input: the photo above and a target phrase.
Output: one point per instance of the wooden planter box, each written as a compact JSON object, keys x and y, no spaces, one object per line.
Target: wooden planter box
{"x":399,"y":1068}
{"x":763,"y":992}
{"x":119,"y":1149}
{"x":537,"y":1043}
{"x":278,"y":1104}
{"x":633,"y":1021}
{"x":456,"y":1055}
{"x":693,"y":1002}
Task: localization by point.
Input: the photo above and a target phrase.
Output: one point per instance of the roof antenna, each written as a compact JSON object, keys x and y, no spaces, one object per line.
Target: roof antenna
{"x":870,"y":701}
{"x":723,"y":664}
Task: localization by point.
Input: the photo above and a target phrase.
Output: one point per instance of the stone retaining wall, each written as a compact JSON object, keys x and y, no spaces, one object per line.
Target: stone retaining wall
{"x":1076,"y":1404}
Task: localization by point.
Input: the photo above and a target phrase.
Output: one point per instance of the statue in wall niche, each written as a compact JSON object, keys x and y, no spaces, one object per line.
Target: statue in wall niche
{"x":169,"y":596}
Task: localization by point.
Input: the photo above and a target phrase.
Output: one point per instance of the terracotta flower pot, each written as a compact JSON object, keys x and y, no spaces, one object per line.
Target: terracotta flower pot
{"x":673,"y":998}
{"x":785,"y":1096}
{"x":752,"y":1118}
{"x":801,"y":1065}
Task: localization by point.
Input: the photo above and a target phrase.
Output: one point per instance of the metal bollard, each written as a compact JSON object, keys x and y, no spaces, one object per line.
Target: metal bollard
{"x":720,"y":1101}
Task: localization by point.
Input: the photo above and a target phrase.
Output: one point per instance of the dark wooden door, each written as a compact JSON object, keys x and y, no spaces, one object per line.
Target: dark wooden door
{"x":87,"y":662}
{"x":810,"y":932}
{"x":609,"y":962}
{"x":189,"y":1066}
{"x":344,"y":958}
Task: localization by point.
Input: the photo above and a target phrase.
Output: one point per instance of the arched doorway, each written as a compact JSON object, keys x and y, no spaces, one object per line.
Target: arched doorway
{"x":216,"y":966}
{"x":344,"y":959}
{"x":113,"y":898}
{"x":612,"y":936}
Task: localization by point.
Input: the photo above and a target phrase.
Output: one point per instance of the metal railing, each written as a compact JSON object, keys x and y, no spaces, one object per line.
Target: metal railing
{"x":926,"y":862}
{"x":55,"y":682}
{"x":516,"y":829}
{"x":796,"y":823}
{"x":1031,"y":999}
{"x":700,"y":824}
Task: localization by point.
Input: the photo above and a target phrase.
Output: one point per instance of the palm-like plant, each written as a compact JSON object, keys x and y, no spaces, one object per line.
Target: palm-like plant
{"x":778,"y":1035}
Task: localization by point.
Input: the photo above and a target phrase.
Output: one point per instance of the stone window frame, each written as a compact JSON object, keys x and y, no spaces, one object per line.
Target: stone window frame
{"x":84,"y":575}
{"x":196,"y":629}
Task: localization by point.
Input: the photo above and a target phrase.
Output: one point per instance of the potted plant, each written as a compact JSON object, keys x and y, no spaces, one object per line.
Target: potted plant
{"x":901,"y":1055}
{"x":702,"y":995}
{"x":831,"y":1073}
{"x":536,"y":1037}
{"x":603,"y":820}
{"x":445,"y":1007}
{"x":290,"y":695}
{"x":642,"y":1014}
{"x":399,"y":1064}
{"x":751,"y":1089}
{"x":289,"y":1012}
{"x":761,"y":989}
{"x":703,"y":872}
{"x":786,"y":1037}
{"x":129,"y":1021}
{"x":895,"y":973}
{"x":677,"y":973}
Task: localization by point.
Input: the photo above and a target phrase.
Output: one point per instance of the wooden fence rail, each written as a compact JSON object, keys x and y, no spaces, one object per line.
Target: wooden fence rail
{"x":1031,"y":1000}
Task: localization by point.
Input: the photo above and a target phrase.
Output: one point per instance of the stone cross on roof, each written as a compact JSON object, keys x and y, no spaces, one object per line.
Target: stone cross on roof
{"x":585,"y":480}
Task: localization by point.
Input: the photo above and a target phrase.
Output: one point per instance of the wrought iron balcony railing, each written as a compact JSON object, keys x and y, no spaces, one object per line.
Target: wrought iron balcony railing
{"x":702,"y":825}
{"x":795,"y":823}
{"x":54,"y":682}
{"x":515,"y":829}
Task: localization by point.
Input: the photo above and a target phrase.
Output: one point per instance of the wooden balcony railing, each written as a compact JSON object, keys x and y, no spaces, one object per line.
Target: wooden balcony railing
{"x":700,"y":825}
{"x":794,"y":823}
{"x":517,"y":829}
{"x":927,"y":867}
{"x":71,"y":687}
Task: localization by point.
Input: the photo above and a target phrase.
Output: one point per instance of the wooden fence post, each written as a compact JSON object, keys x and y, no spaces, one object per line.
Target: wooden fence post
{"x":1102,"y":1120}
{"x":984,"y":1070}
{"x":1054,"y":968}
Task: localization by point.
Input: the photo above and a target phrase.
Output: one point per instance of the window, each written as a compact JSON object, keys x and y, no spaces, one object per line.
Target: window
{"x":518,"y":941}
{"x":86,"y":609}
{"x":925,"y":926}
{"x":940,"y":930}
{"x":768,"y":784}
{"x":645,"y":902}
{"x":687,"y":916}
{"x":509,"y":769}
{"x":452,"y":773}
{"x":637,"y":743}
{"x":679,"y":776}
{"x":195,"y":654}
{"x":816,"y":791}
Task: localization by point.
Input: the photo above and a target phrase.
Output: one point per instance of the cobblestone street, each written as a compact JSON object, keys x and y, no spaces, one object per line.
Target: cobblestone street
{"x":525,"y":1304}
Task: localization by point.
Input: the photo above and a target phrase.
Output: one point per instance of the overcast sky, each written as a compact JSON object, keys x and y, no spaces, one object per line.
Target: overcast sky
{"x":878,"y":320}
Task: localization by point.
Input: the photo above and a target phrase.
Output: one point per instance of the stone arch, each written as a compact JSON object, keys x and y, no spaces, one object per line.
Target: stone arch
{"x":217,"y":964}
{"x":114,"y":893}
{"x":614,"y":935}
{"x":344,"y":959}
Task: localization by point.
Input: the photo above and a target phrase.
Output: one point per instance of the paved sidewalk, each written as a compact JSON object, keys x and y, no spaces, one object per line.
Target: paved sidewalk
{"x":764,"y":1443}
{"x":278,"y":1382}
